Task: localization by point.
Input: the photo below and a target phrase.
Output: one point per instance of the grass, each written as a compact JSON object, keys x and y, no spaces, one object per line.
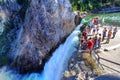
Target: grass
{"x":109,"y":18}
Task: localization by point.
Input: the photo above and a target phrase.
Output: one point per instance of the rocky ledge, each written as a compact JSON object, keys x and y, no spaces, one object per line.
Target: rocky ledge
{"x":82,"y":66}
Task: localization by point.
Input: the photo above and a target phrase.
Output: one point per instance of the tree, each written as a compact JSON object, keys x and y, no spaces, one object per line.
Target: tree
{"x":86,"y":5}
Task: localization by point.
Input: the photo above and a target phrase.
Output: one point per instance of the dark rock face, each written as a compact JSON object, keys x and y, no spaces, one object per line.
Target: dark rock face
{"x":29,"y":60}
{"x":46,"y":24}
{"x":11,"y":24}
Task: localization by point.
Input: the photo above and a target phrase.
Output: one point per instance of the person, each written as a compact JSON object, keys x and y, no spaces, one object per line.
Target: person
{"x":84,"y":45}
{"x":97,"y":28}
{"x":110,"y":28}
{"x":94,"y":30}
{"x":104,"y":34}
{"x":82,"y":39}
{"x":114,"y":32}
{"x":85,"y":34}
{"x":95,"y":42}
{"x":91,"y":25}
{"x":77,"y":19}
{"x":99,"y":41}
{"x":109,"y":36}
{"x":87,"y":28}
{"x":95,"y":21}
{"x":90,"y":44}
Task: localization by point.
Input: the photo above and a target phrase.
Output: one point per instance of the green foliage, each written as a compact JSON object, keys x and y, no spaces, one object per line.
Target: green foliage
{"x":0,"y":2}
{"x":86,"y":5}
{"x":117,"y":2}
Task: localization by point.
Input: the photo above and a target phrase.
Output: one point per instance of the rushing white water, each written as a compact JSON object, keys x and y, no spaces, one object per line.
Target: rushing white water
{"x":53,"y":68}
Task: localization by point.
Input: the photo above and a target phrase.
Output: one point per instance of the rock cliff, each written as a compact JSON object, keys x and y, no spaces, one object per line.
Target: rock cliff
{"x":46,"y":24}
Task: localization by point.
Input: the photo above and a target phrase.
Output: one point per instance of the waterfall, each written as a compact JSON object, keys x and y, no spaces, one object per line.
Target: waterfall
{"x":54,"y":68}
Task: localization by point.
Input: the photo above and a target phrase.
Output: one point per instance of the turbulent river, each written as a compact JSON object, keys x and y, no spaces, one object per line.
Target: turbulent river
{"x":54,"y":68}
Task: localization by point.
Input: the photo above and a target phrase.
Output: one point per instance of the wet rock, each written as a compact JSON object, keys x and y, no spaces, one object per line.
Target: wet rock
{"x":69,"y":74}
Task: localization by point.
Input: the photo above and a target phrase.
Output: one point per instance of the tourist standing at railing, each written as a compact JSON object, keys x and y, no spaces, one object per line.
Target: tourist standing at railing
{"x":95,"y":42}
{"x":104,"y":34}
{"x":95,"y":21}
{"x":97,"y":28}
{"x":94,"y":30}
{"x":99,"y":41}
{"x":84,"y":45}
{"x":84,"y":34}
{"x":110,"y":28}
{"x":90,"y":44}
{"x":109,"y":36}
{"x":114,"y":32}
{"x":90,"y":26}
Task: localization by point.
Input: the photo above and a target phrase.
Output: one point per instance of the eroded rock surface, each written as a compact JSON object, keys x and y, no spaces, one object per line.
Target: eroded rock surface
{"x":47,"y":23}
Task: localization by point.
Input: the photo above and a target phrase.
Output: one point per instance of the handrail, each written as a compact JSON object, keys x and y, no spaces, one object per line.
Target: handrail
{"x":110,"y":61}
{"x":111,"y":68}
{"x":97,"y":59}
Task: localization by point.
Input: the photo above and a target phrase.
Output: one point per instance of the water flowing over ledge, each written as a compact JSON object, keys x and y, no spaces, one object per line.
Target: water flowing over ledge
{"x":54,"y":68}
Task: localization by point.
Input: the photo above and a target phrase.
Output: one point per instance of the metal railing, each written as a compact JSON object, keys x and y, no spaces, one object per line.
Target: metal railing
{"x":110,"y":61}
{"x":111,"y":68}
{"x":100,"y":58}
